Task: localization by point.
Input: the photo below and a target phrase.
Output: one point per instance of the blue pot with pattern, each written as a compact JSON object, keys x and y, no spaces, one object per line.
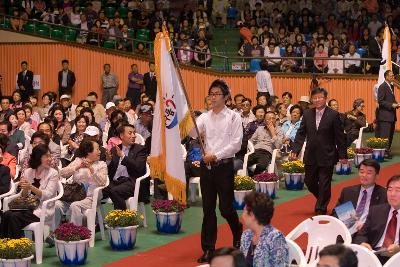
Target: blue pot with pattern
{"x":378,"y":154}
{"x":360,"y":157}
{"x":238,"y":201}
{"x":169,"y":222}
{"x":268,"y":188}
{"x":294,"y":181}
{"x":123,"y":238}
{"x":343,"y":169}
{"x":72,"y":252}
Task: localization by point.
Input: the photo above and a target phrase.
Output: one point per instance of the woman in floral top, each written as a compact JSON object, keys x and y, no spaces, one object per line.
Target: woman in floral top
{"x":261,"y":243}
{"x":81,"y":122}
{"x":63,"y":127}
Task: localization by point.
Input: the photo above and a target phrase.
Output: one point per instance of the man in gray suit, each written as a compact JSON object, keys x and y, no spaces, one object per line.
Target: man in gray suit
{"x":386,"y":112}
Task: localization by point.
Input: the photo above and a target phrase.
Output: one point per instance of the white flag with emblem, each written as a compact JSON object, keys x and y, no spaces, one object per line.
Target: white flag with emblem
{"x":386,"y":62}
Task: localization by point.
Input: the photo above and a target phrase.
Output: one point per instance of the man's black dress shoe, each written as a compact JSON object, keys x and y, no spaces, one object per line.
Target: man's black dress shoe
{"x":320,"y":212}
{"x":206,"y":257}
{"x":388,"y":155}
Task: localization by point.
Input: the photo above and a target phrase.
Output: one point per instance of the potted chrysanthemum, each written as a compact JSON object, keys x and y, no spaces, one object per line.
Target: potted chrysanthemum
{"x":122,"y":226}
{"x":361,"y":154}
{"x":243,"y":185}
{"x":169,"y":214}
{"x":72,"y":243}
{"x":16,"y":252}
{"x":378,"y":146}
{"x":293,"y":172}
{"x":267,"y":183}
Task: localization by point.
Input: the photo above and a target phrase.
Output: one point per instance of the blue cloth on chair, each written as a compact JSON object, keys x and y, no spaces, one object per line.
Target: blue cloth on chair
{"x":255,"y":65}
{"x":361,"y":51}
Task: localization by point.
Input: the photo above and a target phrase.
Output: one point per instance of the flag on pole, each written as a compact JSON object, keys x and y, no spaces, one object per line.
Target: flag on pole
{"x":386,"y":62}
{"x":172,"y":121}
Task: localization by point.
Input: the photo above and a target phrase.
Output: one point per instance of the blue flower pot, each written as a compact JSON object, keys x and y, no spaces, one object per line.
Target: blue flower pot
{"x":123,"y":238}
{"x":73,"y":252}
{"x":268,"y":188}
{"x":169,"y":222}
{"x":238,"y":201}
{"x":294,"y":181}
{"x":360,"y":157}
{"x":343,"y":169}
{"x":378,"y":154}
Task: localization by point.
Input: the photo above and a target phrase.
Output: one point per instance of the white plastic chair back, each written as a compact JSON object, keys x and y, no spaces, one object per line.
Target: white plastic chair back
{"x":250,"y":150}
{"x":365,"y":257}
{"x":322,"y":230}
{"x":301,"y":154}
{"x":12,"y":191}
{"x":358,"y":141}
{"x":139,"y":139}
{"x":64,"y":150}
{"x":394,"y":261}
{"x":184,"y":152}
{"x":295,"y":253}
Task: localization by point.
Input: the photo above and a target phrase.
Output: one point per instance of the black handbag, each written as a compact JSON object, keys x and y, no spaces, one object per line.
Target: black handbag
{"x":73,"y":192}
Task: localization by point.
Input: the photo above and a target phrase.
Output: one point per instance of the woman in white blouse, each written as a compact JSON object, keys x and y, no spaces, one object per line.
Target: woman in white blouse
{"x":86,"y":169}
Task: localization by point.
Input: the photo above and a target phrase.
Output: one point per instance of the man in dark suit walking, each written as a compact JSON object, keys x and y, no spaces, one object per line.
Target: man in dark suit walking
{"x":366,"y":194}
{"x":150,"y":82}
{"x":25,"y":82}
{"x":66,"y":79}
{"x":386,"y":113}
{"x":326,"y":144}
{"x":381,"y":229}
{"x":128,"y":162}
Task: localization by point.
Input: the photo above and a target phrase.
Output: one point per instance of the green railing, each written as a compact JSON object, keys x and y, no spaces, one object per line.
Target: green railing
{"x":136,"y":36}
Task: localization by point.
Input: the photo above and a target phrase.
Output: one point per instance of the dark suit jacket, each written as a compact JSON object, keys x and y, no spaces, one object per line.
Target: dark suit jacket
{"x":150,"y":85}
{"x":351,"y":193}
{"x":5,"y":179}
{"x":374,"y":51}
{"x":386,"y":99}
{"x":326,"y":145}
{"x":135,"y":162}
{"x":26,"y":81}
{"x":70,"y":80}
{"x":309,"y":62}
{"x":374,"y":226}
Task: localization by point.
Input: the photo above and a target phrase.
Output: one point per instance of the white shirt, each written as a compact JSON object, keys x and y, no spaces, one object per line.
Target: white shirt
{"x":364,"y":215}
{"x":335,"y":64}
{"x":223,"y":132}
{"x":396,"y":240}
{"x":318,"y":116}
{"x":276,"y":53}
{"x":348,"y":63}
{"x":121,"y":169}
{"x":264,"y":82}
{"x":247,"y":119}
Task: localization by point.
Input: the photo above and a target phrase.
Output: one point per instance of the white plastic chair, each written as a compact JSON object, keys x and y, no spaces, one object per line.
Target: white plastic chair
{"x":320,"y":234}
{"x":194,"y":184}
{"x":295,"y":253}
{"x":91,"y":215}
{"x":366,"y":258}
{"x":139,"y":139}
{"x":358,"y":141}
{"x":301,"y":154}
{"x":38,"y":227}
{"x":394,"y":261}
{"x":250,"y":150}
{"x":64,"y":150}
{"x":12,"y":191}
{"x":133,"y":202}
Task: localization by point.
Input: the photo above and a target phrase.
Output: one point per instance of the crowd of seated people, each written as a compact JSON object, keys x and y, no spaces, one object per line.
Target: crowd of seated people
{"x":334,"y":29}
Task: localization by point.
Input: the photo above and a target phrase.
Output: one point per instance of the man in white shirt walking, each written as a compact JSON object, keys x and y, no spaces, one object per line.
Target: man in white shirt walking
{"x":264,"y":81}
{"x":222,"y":131}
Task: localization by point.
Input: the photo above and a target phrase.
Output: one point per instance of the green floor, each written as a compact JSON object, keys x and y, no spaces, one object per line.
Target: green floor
{"x":148,"y":238}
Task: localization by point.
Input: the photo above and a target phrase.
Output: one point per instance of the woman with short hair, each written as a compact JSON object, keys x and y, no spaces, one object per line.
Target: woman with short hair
{"x":39,"y":181}
{"x":88,"y":170}
{"x":262,"y":244}
{"x":354,"y":120}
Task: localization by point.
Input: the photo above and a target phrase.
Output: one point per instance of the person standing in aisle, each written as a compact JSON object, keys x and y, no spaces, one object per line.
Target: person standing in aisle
{"x":222,"y":131}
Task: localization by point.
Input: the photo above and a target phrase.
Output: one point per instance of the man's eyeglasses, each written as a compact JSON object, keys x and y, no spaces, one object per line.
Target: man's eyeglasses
{"x":317,"y":98}
{"x":211,"y":95}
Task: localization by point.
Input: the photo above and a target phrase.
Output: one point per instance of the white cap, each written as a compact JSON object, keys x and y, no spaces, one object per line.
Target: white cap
{"x":305,"y":98}
{"x":92,"y":131}
{"x":110,"y":105}
{"x":65,"y":97}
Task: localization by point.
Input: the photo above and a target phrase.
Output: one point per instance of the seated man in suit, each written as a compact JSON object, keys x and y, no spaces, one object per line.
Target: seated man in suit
{"x":367,"y":193}
{"x":381,"y":229}
{"x":128,"y":162}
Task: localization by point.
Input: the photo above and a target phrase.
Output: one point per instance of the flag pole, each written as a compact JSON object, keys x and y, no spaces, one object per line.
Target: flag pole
{"x":176,"y":64}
